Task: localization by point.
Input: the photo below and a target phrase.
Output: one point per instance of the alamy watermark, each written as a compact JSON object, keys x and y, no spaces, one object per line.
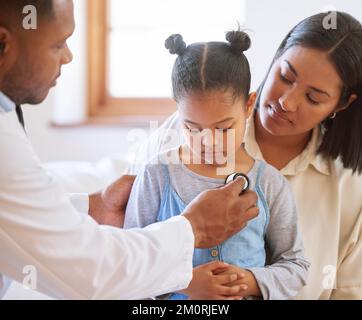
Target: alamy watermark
{"x":31,"y":277}
{"x":329,"y":280}
{"x":30,"y":21}
{"x":330,"y":20}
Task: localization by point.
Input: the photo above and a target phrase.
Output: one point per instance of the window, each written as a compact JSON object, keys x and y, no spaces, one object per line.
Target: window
{"x":129,"y":68}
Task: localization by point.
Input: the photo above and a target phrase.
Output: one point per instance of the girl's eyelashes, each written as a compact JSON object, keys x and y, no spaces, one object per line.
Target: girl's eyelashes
{"x":224,"y":129}
{"x":192,"y":130}
{"x":195,"y":130}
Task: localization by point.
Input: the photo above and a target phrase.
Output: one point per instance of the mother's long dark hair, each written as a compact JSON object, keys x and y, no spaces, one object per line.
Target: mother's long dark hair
{"x":343,"y":43}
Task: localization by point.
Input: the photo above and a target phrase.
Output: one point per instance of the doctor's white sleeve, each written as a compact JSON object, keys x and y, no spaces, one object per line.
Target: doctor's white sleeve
{"x":74,"y":257}
{"x":80,"y":201}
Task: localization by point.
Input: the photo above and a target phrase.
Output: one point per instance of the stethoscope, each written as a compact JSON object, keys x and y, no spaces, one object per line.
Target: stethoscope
{"x":234,"y":176}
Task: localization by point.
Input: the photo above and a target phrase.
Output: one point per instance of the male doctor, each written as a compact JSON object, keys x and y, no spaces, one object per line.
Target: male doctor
{"x":40,"y":229}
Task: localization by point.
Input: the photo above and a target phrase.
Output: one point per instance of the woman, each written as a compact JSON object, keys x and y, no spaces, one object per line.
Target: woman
{"x":308,"y":125}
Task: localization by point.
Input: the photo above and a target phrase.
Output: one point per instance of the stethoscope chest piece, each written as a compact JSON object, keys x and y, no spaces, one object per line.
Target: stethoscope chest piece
{"x":234,"y":176}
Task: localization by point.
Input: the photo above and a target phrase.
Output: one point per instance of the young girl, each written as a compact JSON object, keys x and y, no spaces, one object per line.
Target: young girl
{"x":211,"y":84}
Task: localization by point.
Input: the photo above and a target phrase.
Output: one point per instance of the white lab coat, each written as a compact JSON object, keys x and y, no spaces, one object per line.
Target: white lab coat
{"x":73,"y":256}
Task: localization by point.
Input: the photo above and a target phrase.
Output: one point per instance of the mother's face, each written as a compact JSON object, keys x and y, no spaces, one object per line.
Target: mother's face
{"x":301,"y":90}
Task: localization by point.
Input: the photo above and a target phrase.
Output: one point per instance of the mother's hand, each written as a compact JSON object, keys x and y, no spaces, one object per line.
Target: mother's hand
{"x":108,"y":207}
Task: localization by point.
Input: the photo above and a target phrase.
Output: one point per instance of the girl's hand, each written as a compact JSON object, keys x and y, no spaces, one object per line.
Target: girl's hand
{"x":206,"y":285}
{"x":246,"y":281}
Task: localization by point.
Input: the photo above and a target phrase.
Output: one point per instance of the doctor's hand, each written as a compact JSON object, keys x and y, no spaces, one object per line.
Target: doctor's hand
{"x":216,"y":215}
{"x":108,"y":207}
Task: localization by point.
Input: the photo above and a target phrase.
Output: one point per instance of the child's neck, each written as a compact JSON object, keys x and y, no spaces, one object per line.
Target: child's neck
{"x":243,"y":163}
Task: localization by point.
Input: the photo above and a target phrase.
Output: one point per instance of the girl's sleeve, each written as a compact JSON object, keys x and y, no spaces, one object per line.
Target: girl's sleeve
{"x":145,"y":198}
{"x":287,"y":269}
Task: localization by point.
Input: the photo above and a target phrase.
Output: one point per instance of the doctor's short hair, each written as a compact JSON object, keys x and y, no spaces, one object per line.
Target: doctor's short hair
{"x":15,"y":7}
{"x":342,"y":136}
{"x":205,"y":66}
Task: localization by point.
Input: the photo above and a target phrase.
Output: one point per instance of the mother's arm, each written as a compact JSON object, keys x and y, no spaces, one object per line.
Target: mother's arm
{"x":349,"y":272}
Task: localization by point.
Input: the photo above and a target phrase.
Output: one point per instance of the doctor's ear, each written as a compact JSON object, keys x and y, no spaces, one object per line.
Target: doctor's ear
{"x":2,"y":47}
{"x":4,"y":39}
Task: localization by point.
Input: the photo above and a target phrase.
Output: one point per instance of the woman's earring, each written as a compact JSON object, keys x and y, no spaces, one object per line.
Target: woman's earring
{"x":333,"y":115}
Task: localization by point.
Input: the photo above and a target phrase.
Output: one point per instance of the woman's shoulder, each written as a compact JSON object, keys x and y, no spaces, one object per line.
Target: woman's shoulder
{"x":348,"y":184}
{"x":337,"y":169}
{"x":348,"y":181}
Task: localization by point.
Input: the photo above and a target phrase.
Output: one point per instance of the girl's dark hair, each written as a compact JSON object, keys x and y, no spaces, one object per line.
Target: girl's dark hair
{"x":207,"y":66}
{"x":343,"y":42}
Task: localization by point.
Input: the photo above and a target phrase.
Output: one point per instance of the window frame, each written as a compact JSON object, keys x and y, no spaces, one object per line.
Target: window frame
{"x":102,"y":107}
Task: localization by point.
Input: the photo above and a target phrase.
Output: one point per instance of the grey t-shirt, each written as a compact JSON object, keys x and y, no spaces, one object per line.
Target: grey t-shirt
{"x":286,"y":270}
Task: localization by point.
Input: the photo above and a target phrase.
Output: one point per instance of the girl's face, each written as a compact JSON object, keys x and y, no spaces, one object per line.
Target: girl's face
{"x":301,"y":90}
{"x":213,"y":118}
